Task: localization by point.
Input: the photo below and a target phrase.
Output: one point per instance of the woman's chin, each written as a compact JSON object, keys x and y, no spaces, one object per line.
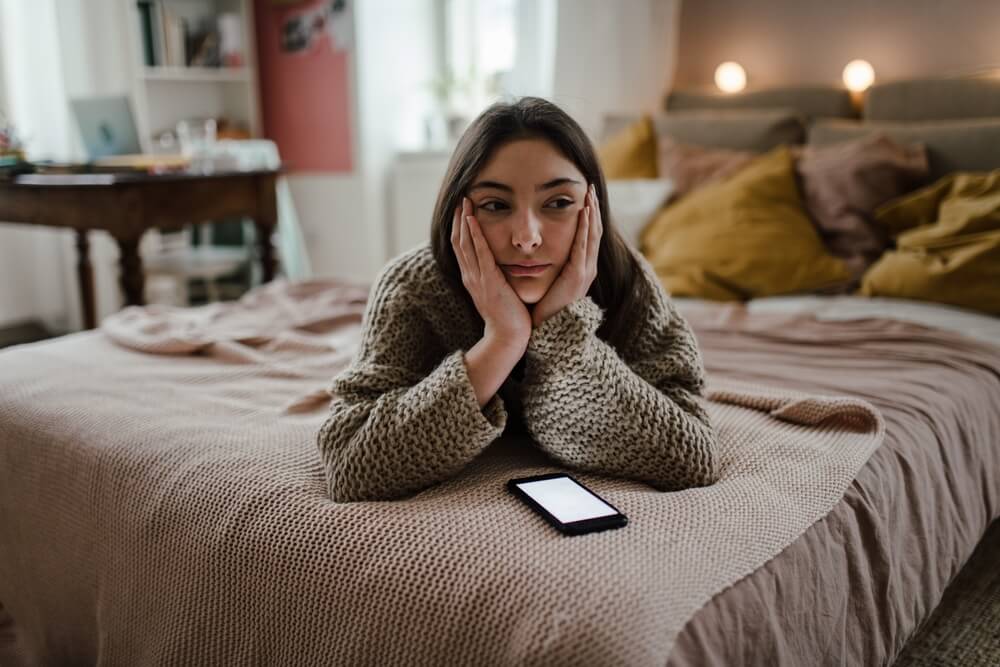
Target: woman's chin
{"x":530,"y":296}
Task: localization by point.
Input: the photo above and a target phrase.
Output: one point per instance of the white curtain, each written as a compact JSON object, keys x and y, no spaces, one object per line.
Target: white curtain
{"x":535,"y":51}
{"x":613,"y":56}
{"x":50,"y":51}
{"x":32,"y":284}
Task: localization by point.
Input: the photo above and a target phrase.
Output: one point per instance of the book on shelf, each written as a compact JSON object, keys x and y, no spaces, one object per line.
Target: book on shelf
{"x":146,"y":27}
{"x":171,"y":40}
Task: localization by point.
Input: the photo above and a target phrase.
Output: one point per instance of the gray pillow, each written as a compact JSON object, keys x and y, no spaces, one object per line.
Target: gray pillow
{"x":952,"y":145}
{"x":757,"y":130}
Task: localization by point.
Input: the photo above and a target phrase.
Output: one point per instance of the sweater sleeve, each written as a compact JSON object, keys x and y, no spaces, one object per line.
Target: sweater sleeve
{"x":398,"y":424}
{"x":589,"y":409}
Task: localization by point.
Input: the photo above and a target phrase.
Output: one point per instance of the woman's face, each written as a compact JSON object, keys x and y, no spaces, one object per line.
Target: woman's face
{"x":527,"y":199}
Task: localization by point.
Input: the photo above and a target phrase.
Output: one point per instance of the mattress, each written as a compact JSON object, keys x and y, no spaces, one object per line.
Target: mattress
{"x":856,"y":585}
{"x":851,"y":589}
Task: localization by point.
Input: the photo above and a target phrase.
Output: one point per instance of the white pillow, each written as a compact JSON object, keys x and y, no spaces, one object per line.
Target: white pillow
{"x":634,"y":201}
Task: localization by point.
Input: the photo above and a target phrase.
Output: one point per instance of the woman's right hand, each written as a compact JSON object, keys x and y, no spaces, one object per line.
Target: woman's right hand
{"x":506,"y":317}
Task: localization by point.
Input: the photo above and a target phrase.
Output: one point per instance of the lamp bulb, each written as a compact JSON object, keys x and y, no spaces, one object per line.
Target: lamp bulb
{"x":858,"y":75}
{"x":730,"y":77}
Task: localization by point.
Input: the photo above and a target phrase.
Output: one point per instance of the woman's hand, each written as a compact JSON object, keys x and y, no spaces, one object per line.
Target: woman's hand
{"x":579,"y":272}
{"x":506,"y":317}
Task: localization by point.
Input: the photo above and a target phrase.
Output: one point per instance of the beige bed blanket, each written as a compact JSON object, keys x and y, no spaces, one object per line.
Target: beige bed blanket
{"x":162,"y":501}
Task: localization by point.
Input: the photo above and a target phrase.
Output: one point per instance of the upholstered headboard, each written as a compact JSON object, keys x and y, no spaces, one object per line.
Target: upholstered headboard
{"x":934,"y":99}
{"x":957,"y":118}
{"x":808,"y":101}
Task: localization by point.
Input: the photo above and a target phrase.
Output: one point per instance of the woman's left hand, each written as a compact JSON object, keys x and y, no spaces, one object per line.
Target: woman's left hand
{"x":579,"y":271}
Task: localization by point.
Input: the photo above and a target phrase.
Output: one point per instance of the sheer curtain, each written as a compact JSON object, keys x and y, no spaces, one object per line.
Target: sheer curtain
{"x":535,"y":52}
{"x":613,"y":56}
{"x":587,"y":56}
{"x":37,"y":265}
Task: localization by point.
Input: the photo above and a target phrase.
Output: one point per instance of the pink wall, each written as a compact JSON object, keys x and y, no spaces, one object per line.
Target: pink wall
{"x":783,"y":42}
{"x":304,"y":95}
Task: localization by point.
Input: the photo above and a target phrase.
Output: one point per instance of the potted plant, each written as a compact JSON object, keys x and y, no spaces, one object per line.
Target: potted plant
{"x":12,"y":161}
{"x":10,"y":145}
{"x":448,"y":119}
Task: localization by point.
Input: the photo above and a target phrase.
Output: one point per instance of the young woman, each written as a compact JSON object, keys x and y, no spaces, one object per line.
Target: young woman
{"x":526,"y":312}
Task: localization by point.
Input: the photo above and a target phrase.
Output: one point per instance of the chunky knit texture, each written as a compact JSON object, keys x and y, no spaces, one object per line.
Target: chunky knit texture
{"x":404,"y":414}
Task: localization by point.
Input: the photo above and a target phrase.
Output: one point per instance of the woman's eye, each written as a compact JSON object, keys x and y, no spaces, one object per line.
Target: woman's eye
{"x":496,"y":206}
{"x":486,"y":206}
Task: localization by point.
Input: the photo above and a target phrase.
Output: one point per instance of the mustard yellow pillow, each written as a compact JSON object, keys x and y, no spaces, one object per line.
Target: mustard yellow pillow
{"x":630,"y":152}
{"x":947,"y":244}
{"x":746,"y":237}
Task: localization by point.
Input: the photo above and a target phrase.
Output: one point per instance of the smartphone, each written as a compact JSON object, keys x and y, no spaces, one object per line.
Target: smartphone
{"x":568,"y":505}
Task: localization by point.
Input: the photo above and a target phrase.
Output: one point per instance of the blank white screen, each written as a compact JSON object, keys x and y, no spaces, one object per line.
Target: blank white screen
{"x":566,"y":500}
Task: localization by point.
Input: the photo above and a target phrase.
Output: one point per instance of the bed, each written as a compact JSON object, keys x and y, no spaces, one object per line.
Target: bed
{"x":113,"y":443}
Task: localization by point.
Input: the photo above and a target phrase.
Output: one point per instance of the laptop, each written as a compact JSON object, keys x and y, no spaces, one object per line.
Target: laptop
{"x":106,"y":126}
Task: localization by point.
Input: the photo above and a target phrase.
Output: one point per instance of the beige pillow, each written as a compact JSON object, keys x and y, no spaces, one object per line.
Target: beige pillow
{"x":843,"y":183}
{"x":745,"y":237}
{"x":691,"y":167}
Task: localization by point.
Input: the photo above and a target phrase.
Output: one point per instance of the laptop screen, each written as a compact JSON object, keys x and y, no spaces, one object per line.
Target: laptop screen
{"x":106,"y":126}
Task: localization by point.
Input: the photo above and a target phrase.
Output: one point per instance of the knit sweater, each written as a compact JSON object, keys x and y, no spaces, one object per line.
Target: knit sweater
{"x":404,"y":414}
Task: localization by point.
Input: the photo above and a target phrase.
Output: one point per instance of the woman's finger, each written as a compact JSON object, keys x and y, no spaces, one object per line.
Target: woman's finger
{"x":582,"y":234}
{"x":483,"y":253}
{"x":470,"y":253}
{"x":456,"y":240}
{"x":455,"y":218}
{"x":596,"y":229}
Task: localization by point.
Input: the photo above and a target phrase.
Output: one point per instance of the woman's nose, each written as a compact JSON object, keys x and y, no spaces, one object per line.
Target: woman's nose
{"x":527,"y":234}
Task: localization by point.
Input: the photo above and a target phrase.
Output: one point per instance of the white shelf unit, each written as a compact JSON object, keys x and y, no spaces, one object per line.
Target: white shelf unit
{"x":164,"y":95}
{"x":186,"y":74}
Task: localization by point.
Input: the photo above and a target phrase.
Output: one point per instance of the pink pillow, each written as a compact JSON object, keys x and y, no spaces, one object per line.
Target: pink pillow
{"x":690,"y":166}
{"x":843,"y":183}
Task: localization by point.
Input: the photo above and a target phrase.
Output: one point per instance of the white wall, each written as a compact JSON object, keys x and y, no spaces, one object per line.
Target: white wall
{"x":330,"y":209}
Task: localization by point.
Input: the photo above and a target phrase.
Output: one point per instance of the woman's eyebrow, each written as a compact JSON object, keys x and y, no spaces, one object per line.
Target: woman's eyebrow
{"x":555,"y":182}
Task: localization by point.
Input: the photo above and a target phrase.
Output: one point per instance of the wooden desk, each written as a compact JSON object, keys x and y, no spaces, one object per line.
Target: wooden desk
{"x":126,"y":205}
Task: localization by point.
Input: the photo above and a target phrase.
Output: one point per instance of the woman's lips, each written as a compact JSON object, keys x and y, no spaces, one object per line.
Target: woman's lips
{"x":516,"y":270}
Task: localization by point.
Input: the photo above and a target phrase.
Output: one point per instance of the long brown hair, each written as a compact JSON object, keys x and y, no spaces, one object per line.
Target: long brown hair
{"x":618,"y":287}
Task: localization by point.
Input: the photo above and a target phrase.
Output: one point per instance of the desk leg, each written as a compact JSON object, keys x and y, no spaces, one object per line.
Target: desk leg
{"x":131,"y":278}
{"x":85,"y":276}
{"x":267,"y":261}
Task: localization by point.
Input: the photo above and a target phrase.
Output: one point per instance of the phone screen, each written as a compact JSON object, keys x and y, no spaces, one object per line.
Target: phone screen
{"x":566,"y":500}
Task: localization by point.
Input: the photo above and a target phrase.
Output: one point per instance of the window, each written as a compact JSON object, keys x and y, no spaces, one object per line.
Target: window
{"x":480,"y":49}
